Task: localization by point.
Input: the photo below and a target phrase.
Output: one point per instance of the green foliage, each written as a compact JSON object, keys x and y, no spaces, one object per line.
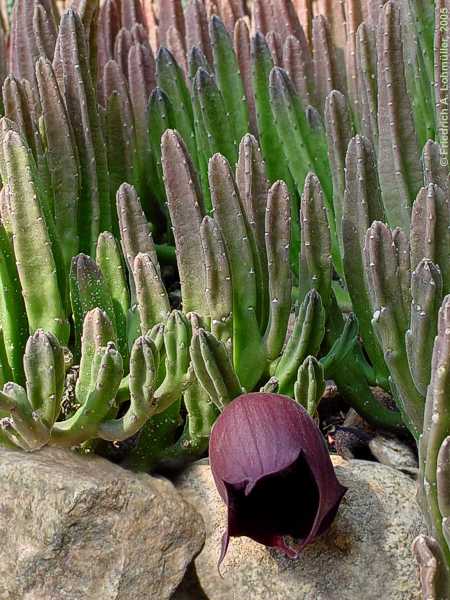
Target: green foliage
{"x":101,"y":125}
{"x":128,"y":167}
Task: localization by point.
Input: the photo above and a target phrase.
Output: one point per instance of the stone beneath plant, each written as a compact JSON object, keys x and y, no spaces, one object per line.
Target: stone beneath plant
{"x":81,"y":528}
{"x":390,"y":451}
{"x":365,"y":554}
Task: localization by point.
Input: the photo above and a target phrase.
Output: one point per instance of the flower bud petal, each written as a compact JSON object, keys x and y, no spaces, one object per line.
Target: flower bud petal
{"x":272,"y":469}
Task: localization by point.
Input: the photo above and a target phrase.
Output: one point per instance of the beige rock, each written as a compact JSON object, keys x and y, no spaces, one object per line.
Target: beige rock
{"x":76,"y":528}
{"x":366,"y":555}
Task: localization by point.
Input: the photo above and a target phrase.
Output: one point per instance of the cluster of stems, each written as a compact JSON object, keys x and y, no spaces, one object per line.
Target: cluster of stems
{"x":286,"y":161}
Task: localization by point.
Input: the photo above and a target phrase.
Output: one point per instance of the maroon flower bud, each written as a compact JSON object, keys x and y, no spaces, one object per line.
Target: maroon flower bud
{"x":272,"y":469}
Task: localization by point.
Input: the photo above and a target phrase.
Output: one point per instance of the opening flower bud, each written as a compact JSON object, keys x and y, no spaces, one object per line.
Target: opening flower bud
{"x":272,"y":469}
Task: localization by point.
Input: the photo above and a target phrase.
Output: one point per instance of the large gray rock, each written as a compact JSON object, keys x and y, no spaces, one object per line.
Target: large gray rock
{"x":365,"y":555}
{"x":76,"y":528}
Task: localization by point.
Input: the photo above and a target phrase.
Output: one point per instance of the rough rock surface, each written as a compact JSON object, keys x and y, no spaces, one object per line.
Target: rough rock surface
{"x":394,"y":453}
{"x":365,"y":555}
{"x":76,"y":528}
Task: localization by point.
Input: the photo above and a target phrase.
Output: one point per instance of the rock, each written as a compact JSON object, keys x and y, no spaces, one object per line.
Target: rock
{"x":366,"y":554}
{"x":352,"y":442}
{"x":78,"y":528}
{"x":394,"y":453}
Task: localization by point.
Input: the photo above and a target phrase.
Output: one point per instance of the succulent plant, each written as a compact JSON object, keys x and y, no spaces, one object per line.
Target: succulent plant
{"x":246,"y":148}
{"x":123,"y":74}
{"x":246,"y":285}
{"x":106,"y":405}
{"x":30,"y":414}
{"x":96,"y":295}
{"x":220,"y":67}
{"x":433,"y":551}
{"x":394,"y":234}
{"x":242,"y":294}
